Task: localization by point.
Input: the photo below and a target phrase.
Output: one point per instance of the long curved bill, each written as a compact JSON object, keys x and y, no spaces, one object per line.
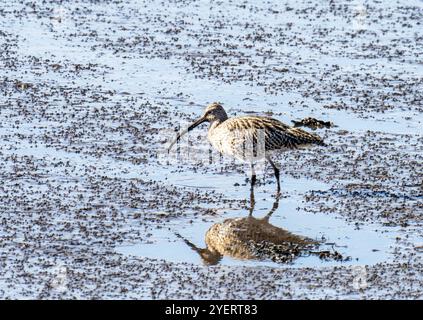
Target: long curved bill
{"x":181,"y":133}
{"x":208,"y":256}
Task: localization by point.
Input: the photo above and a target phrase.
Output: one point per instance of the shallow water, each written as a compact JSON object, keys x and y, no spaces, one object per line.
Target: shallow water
{"x":363,"y":244}
{"x":162,"y":75}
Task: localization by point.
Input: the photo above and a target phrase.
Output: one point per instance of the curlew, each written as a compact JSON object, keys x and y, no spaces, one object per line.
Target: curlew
{"x":250,"y":238}
{"x":251,"y":138}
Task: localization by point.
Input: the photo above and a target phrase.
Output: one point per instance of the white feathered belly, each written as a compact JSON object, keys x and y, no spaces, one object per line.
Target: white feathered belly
{"x":239,"y":146}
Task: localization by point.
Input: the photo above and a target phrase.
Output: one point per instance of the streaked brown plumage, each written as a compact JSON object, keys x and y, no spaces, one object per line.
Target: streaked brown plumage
{"x":233,"y":237}
{"x":235,"y":132}
{"x":241,"y":237}
{"x":251,"y":138}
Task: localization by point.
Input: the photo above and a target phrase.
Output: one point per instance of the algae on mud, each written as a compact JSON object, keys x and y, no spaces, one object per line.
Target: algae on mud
{"x":87,"y":88}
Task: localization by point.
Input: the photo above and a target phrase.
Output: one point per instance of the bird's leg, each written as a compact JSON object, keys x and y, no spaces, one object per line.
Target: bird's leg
{"x":252,"y":201}
{"x":277,"y":173}
{"x":253,"y":176}
{"x":275,"y":206}
{"x":253,"y":182}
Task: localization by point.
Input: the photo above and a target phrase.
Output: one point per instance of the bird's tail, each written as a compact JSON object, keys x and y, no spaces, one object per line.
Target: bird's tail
{"x":303,"y":137}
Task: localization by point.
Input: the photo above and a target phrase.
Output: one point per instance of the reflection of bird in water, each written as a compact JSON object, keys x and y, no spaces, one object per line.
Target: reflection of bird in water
{"x":251,"y":138}
{"x":245,"y":238}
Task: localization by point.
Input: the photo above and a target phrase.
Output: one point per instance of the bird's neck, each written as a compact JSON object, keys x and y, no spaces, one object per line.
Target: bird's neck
{"x":215,"y":123}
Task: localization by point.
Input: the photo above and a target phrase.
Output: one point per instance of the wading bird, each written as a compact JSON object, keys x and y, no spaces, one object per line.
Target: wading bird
{"x":250,"y":138}
{"x":250,"y":238}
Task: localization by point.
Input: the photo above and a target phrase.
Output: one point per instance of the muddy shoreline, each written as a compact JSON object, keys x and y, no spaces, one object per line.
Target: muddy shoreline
{"x":92,"y":90}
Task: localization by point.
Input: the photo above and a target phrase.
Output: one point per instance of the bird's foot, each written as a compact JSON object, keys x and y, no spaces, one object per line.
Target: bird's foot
{"x":278,"y":194}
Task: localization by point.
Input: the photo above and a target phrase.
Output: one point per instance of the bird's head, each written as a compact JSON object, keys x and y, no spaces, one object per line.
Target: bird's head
{"x":213,"y":112}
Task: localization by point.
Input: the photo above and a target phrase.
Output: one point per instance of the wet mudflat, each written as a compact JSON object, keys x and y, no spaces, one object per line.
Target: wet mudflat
{"x":91,"y":206}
